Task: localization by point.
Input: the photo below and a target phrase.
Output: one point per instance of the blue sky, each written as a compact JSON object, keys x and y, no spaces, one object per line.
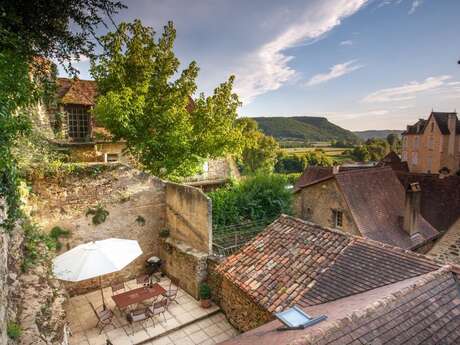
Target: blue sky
{"x":363,"y":64}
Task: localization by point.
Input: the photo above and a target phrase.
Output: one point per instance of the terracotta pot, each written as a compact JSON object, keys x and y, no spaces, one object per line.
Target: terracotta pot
{"x":205,"y":303}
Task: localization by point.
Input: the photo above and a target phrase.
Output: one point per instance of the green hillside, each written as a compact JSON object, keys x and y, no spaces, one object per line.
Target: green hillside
{"x":380,"y":134}
{"x":304,"y":128}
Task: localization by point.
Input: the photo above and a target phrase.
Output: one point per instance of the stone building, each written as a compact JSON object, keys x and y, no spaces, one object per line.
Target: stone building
{"x":433,"y":145}
{"x":74,"y":127}
{"x":365,"y":202}
{"x":368,"y":292}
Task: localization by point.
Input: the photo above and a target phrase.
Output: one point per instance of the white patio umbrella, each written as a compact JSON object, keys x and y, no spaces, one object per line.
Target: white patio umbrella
{"x":94,"y":259}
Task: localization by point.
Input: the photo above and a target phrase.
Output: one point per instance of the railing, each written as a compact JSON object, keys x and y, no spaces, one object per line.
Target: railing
{"x":228,"y":239}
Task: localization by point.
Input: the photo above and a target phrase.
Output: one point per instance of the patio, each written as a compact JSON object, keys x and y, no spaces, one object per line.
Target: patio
{"x":186,"y":322}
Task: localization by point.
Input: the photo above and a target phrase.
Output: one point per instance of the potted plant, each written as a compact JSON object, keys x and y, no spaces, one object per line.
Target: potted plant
{"x":205,"y":295}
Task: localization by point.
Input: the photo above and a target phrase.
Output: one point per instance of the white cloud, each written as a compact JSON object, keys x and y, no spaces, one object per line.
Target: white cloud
{"x":335,"y":71}
{"x":408,"y":91}
{"x":415,"y":5}
{"x":346,"y":43}
{"x":268,"y":68}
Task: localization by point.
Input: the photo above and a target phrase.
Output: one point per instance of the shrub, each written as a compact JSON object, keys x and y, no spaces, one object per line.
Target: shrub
{"x":258,"y":197}
{"x":99,"y":214}
{"x":164,"y":233}
{"x":140,"y":220}
{"x":56,"y":233}
{"x":13,"y":330}
{"x":205,"y":291}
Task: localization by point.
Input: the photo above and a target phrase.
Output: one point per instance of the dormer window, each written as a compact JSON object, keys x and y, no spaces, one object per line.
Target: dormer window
{"x":337,"y":217}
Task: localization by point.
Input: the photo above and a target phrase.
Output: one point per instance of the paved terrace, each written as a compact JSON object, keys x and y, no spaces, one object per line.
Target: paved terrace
{"x":186,"y":322}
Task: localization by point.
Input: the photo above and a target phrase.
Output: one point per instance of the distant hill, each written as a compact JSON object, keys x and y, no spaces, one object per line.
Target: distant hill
{"x":377,"y":133}
{"x":304,"y":128}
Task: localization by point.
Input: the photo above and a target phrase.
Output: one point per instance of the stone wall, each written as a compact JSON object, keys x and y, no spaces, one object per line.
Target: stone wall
{"x":241,"y":311}
{"x":135,"y":202}
{"x":184,"y":263}
{"x":4,"y":239}
{"x":316,"y":202}
{"x":189,"y":216}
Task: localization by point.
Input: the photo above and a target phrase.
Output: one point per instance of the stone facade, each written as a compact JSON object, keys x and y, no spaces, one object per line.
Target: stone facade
{"x":317,"y":203}
{"x":184,"y":263}
{"x":430,"y":145}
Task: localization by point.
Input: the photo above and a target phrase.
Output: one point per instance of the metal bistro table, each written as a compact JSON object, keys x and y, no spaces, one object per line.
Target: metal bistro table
{"x":135,"y":296}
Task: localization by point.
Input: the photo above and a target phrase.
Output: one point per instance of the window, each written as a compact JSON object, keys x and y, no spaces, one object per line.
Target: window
{"x":429,"y":164}
{"x":78,"y":122}
{"x":430,"y":143}
{"x":432,"y":126}
{"x":414,"y":158}
{"x":338,"y":218}
{"x":111,"y":157}
{"x":417,"y":139}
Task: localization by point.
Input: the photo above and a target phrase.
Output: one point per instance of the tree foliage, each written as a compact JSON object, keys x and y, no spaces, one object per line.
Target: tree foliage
{"x":258,"y":197}
{"x":259,"y":151}
{"x":146,"y":102}
{"x":31,"y":31}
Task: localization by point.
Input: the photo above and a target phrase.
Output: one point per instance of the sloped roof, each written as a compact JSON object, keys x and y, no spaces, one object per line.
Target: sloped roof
{"x":76,"y":91}
{"x":376,"y":200}
{"x":440,"y":203}
{"x":422,"y":310}
{"x":293,"y":261}
{"x":441,"y":119}
{"x":442,"y":122}
{"x":394,"y":162}
{"x":313,"y":174}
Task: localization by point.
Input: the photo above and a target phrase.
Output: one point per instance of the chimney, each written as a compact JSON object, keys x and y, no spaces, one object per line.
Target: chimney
{"x":451,"y":124}
{"x":412,"y":208}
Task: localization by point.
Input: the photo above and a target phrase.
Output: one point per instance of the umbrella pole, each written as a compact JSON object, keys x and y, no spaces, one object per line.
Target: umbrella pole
{"x":102,"y":293}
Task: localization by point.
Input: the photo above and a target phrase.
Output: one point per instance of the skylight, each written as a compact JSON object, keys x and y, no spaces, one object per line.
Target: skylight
{"x":296,"y":318}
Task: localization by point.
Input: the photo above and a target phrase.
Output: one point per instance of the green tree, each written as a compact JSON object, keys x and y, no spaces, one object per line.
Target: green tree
{"x":360,"y":153}
{"x":31,"y":31}
{"x":395,"y":142}
{"x":319,"y":158}
{"x":144,"y":103}
{"x":259,"y":151}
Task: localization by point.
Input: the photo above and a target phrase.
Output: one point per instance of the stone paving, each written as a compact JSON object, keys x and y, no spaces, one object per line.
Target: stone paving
{"x":186,"y":322}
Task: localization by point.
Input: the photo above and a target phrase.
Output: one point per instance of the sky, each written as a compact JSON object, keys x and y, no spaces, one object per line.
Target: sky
{"x":363,"y":64}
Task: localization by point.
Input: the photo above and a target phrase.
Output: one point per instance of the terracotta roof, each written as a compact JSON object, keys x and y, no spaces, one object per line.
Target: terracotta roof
{"x":293,"y":261}
{"x":422,"y":310}
{"x":376,"y":200}
{"x":440,"y":203}
{"x":76,"y":91}
{"x":394,"y":162}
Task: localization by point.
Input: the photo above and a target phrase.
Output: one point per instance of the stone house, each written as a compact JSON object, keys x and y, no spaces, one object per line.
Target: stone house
{"x":365,"y":202}
{"x":369,"y":292}
{"x":74,"y":127}
{"x":433,"y":145}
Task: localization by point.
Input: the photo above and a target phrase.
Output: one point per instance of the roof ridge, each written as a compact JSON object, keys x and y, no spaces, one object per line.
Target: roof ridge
{"x":364,"y":171}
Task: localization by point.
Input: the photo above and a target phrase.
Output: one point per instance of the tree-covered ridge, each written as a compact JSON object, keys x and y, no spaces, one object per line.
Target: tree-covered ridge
{"x":307,"y":128}
{"x":377,"y":134}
